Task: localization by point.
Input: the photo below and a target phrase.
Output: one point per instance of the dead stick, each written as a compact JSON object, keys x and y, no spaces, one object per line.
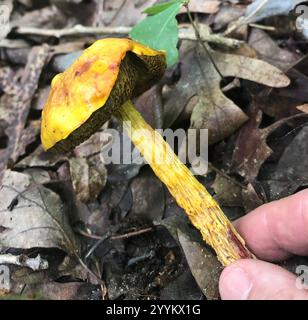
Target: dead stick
{"x":79,"y":30}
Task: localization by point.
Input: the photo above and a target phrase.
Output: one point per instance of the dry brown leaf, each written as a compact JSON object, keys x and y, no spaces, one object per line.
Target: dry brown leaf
{"x":126,"y":13}
{"x":148,"y":196}
{"x":251,"y":149}
{"x":76,"y":11}
{"x":227,"y":192}
{"x":291,"y":173}
{"x":92,"y":146}
{"x":47,"y":17}
{"x":218,"y":114}
{"x":15,"y":108}
{"x":63,"y":291}
{"x":298,"y":89}
{"x":203,"y":264}
{"x":8,"y":83}
{"x":43,"y":222}
{"x":227,"y":14}
{"x":270,"y":52}
{"x":199,"y":90}
{"x":250,"y":69}
{"x":41,"y":158}
{"x":29,"y":135}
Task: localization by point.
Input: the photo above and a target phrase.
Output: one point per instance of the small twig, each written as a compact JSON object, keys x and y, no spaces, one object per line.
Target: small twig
{"x":198,"y":37}
{"x":258,"y":8}
{"x":118,"y":11}
{"x":232,"y":85}
{"x":79,"y":30}
{"x":22,"y":260}
{"x":93,"y":274}
{"x":245,"y":20}
{"x":87,"y":235}
{"x":116,"y":237}
{"x":99,"y":269}
{"x":122,"y":236}
{"x":13,"y":44}
{"x":131,"y":234}
{"x":97,"y":244}
{"x":262,"y":27}
{"x":22,"y":289}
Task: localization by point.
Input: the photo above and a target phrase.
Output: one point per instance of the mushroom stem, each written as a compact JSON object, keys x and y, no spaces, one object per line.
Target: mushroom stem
{"x":203,"y":211}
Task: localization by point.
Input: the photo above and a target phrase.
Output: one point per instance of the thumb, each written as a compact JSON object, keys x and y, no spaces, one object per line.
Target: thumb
{"x":258,"y":280}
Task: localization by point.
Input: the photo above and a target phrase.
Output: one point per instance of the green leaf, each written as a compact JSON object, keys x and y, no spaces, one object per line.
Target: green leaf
{"x":160,"y":32}
{"x":158,"y":8}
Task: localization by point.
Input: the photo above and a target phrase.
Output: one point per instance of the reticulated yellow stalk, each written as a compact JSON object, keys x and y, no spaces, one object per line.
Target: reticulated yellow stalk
{"x":203,"y":211}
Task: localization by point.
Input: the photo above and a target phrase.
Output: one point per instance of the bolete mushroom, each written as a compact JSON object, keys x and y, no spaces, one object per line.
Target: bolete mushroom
{"x":101,"y":83}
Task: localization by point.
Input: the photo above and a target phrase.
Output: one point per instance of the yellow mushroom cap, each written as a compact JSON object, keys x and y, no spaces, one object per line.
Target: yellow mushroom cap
{"x":106,"y":75}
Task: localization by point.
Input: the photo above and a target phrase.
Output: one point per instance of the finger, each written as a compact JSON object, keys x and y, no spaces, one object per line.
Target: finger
{"x":278,"y":229}
{"x":259,"y":280}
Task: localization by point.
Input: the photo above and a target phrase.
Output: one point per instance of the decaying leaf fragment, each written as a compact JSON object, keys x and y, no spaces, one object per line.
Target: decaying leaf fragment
{"x":203,"y":264}
{"x":88,"y":176}
{"x":33,"y":216}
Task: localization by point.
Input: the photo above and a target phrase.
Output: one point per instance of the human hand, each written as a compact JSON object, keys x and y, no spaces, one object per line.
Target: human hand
{"x":273,"y":232}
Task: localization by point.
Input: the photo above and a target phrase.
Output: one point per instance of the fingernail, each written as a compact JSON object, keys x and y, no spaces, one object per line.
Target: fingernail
{"x":235,"y":285}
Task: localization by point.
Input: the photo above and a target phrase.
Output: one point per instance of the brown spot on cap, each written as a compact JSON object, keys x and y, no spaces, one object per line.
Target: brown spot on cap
{"x":83,"y":68}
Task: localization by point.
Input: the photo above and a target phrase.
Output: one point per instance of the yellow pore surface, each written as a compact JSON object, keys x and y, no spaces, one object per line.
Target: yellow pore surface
{"x":84,"y":87}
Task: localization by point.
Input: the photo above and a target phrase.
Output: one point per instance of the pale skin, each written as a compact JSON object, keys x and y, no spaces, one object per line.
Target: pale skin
{"x":273,"y":232}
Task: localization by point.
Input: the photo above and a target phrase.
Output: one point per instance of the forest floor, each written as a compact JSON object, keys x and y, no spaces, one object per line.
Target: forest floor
{"x":73,"y":227}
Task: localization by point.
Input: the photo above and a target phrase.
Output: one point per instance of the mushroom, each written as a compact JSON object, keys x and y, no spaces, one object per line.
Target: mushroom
{"x":101,"y":83}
